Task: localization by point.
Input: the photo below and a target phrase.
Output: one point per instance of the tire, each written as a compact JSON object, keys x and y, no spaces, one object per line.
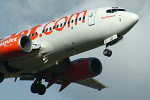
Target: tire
{"x":34,"y":88}
{"x":41,"y":89}
{"x":107,"y":52}
{"x":1,"y":77}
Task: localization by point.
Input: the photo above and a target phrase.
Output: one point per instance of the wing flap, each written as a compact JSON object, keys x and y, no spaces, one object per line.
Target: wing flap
{"x":29,"y":78}
{"x":92,"y":83}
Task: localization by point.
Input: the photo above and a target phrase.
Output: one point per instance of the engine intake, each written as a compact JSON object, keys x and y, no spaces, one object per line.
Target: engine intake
{"x":95,"y":66}
{"x":25,"y":43}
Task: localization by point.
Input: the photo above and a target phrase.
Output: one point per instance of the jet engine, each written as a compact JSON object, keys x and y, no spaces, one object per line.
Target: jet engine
{"x":15,"y":46}
{"x":83,"y":69}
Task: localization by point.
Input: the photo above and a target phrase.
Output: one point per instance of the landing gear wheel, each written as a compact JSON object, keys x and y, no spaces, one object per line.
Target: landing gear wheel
{"x":107,"y":52}
{"x":1,"y":77}
{"x":41,"y":89}
{"x":38,"y":88}
{"x":34,"y":88}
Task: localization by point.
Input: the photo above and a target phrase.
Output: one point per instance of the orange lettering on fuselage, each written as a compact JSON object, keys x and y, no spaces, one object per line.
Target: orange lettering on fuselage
{"x":33,"y":34}
{"x":77,"y":15}
{"x":108,"y":17}
{"x":13,"y":34}
{"x":63,"y":24}
{"x":59,"y":29}
{"x":21,"y":33}
{"x":47,"y":33}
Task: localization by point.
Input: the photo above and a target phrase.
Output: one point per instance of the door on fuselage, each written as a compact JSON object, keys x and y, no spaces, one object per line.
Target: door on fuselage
{"x":92,"y":17}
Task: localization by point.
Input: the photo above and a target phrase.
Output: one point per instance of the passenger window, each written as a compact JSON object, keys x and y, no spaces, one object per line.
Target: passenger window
{"x":64,"y":23}
{"x":32,"y":34}
{"x":35,"y":33}
{"x":57,"y":26}
{"x":42,"y":31}
{"x":54,"y":27}
{"x":80,"y":19}
{"x":76,"y":20}
{"x":72,"y":21}
{"x":84,"y":18}
{"x":68,"y":22}
{"x":61,"y":25}
{"x":50,"y":28}
{"x":46,"y":29}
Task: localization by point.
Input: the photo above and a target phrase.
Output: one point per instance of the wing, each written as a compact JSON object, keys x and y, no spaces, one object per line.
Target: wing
{"x":80,"y":71}
{"x":92,"y":83}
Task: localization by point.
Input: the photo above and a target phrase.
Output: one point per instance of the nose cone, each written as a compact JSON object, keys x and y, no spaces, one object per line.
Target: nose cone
{"x":133,"y":18}
{"x":129,"y":20}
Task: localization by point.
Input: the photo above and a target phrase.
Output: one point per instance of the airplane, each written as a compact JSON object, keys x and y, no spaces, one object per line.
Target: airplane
{"x":42,"y":53}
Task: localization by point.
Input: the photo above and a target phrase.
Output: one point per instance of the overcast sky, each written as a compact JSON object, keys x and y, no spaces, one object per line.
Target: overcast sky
{"x":126,"y":73}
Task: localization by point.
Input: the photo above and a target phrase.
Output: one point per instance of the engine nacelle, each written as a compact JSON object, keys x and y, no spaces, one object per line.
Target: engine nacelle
{"x":83,"y":69}
{"x":14,"y":47}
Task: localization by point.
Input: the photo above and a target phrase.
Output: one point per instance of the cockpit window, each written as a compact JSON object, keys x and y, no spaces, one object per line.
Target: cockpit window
{"x":121,"y":10}
{"x":114,"y":10}
{"x":111,"y":10}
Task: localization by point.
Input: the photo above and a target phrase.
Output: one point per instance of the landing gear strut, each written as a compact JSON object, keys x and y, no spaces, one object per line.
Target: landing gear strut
{"x":38,"y":88}
{"x":109,"y":42}
{"x":1,"y":77}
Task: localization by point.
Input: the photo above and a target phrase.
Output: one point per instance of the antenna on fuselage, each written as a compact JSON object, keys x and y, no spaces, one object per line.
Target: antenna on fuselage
{"x":30,"y":27}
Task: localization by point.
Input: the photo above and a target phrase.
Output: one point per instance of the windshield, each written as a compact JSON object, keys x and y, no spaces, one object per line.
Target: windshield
{"x":114,"y":10}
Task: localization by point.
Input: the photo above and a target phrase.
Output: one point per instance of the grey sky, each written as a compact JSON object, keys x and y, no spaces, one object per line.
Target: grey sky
{"x":126,"y":73}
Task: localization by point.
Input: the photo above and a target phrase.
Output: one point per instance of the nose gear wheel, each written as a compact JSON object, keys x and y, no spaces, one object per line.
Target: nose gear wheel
{"x":107,"y":52}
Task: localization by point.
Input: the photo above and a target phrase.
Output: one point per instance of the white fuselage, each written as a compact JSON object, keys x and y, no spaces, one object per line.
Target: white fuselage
{"x":88,"y":31}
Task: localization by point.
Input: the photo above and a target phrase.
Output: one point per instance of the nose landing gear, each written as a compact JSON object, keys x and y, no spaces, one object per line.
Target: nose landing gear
{"x":1,"y":77}
{"x":109,"y":42}
{"x":107,"y":52}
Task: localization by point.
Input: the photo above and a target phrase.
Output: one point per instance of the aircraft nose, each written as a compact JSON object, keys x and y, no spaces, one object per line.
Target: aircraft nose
{"x":134,"y":18}
{"x":128,"y":21}
{"x":131,"y":20}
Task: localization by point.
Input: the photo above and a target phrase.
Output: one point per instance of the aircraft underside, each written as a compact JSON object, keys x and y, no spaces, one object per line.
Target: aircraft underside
{"x":42,"y":53}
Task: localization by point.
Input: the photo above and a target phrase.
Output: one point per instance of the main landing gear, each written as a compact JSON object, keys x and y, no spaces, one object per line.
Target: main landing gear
{"x":1,"y":77}
{"x":38,"y":88}
{"x":109,"y":42}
